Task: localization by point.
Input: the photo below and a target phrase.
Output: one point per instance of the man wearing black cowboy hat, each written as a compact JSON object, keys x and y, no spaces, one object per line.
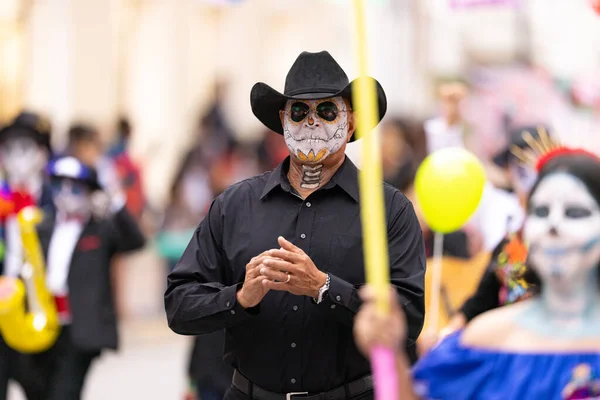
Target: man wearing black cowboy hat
{"x":278,"y":260}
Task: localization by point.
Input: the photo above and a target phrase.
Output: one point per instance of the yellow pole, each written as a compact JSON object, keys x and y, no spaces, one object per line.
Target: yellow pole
{"x":372,"y":210}
{"x":370,"y":176}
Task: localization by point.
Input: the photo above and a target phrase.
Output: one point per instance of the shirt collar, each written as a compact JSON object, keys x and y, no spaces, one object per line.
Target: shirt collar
{"x":346,"y":177}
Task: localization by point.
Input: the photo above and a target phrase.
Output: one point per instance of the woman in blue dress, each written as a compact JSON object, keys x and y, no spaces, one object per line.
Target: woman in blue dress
{"x":544,"y":348}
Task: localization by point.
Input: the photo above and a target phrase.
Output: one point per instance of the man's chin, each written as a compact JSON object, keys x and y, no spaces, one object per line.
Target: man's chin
{"x":311,"y":156}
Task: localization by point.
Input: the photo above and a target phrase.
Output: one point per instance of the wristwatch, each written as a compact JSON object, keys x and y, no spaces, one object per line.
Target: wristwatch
{"x":323,"y":290}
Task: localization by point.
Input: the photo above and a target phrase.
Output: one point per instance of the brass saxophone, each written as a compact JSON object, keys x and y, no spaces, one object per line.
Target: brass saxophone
{"x":29,"y":321}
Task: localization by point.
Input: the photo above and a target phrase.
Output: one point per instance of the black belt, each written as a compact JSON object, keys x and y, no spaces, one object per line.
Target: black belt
{"x":351,"y":389}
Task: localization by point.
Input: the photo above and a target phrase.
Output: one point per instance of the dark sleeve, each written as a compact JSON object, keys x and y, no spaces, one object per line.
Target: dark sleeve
{"x":407,"y":271}
{"x":200,"y":296}
{"x":486,"y":297}
{"x":125,"y":232}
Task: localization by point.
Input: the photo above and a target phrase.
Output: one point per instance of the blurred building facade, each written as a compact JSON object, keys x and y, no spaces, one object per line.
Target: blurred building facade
{"x":158,"y":60}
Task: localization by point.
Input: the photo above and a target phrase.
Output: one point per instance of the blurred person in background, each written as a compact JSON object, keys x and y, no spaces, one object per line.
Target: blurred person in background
{"x":209,"y":375}
{"x":128,"y":171}
{"x":85,"y":144}
{"x":449,"y":129}
{"x":501,"y":208}
{"x":545,"y":347}
{"x":78,"y":245}
{"x":403,"y":148}
{"x":501,"y":282}
{"x":216,"y":136}
{"x":204,"y":174}
{"x":292,"y":331}
{"x":24,"y":153}
{"x":272,"y":150}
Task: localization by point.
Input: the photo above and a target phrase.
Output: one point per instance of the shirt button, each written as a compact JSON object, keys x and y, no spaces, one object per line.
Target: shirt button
{"x":308,"y":204}
{"x":232,"y":312}
{"x":303,"y":236}
{"x":293,"y":380}
{"x":227,"y":304}
{"x":332,"y":306}
{"x":293,"y":345}
{"x":295,"y":308}
{"x":338,"y":297}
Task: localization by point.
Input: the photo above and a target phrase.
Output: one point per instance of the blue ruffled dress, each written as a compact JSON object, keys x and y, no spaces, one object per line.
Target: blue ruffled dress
{"x":453,"y":371}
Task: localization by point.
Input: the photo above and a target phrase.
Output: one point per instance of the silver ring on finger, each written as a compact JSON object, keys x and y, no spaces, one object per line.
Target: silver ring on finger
{"x":288,"y":278}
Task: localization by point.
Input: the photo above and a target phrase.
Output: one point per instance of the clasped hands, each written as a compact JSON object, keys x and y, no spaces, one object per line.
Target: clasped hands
{"x":287,"y":269}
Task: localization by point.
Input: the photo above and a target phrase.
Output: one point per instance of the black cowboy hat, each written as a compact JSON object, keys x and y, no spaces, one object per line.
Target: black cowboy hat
{"x":30,"y":125}
{"x":505,"y":157}
{"x":313,"y":76}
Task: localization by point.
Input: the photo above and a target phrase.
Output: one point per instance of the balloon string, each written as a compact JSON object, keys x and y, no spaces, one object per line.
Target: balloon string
{"x":436,"y":282}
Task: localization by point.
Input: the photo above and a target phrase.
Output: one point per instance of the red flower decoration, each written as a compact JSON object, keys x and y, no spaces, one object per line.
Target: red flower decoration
{"x":561,"y":151}
{"x":22,"y":200}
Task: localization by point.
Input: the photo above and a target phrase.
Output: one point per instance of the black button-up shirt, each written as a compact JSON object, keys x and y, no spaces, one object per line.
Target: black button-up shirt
{"x":289,"y":343}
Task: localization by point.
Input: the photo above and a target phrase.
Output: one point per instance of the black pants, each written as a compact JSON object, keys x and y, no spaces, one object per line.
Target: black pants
{"x":8,"y":359}
{"x":234,"y":394}
{"x":56,"y":374}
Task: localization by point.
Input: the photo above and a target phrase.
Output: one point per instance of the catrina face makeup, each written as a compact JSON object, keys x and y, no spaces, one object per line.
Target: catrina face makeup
{"x":563,"y":231}
{"x":314,"y":129}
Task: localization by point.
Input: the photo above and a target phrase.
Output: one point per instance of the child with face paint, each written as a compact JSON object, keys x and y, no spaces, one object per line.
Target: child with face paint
{"x":78,"y":248}
{"x":501,"y":282}
{"x":546,"y":347}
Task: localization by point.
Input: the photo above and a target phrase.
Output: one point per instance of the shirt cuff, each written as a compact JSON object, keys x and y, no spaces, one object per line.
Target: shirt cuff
{"x":342,"y":293}
{"x":234,"y":311}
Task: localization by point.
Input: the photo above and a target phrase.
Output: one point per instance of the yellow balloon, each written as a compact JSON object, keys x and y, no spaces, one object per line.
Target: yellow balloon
{"x":449,"y":186}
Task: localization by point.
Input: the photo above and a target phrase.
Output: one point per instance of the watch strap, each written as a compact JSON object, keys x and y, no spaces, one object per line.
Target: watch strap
{"x":323,"y":290}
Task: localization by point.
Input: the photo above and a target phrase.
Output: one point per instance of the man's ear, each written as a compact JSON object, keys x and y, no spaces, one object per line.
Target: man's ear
{"x":351,"y":125}
{"x":281,"y":116}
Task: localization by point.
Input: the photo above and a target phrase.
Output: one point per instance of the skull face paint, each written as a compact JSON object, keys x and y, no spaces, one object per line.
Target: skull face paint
{"x":71,"y":197}
{"x":563,"y":231}
{"x":22,"y":159}
{"x":314,"y":129}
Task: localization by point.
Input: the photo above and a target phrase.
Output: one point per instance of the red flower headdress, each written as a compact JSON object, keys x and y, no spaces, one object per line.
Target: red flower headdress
{"x":544,"y":149}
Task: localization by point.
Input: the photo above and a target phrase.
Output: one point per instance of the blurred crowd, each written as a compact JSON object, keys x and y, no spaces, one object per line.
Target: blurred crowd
{"x":217,"y":158}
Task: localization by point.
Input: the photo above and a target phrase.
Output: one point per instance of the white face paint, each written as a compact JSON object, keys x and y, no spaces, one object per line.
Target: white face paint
{"x":563,"y":231}
{"x":314,"y":129}
{"x":22,"y":160}
{"x":72,"y":197}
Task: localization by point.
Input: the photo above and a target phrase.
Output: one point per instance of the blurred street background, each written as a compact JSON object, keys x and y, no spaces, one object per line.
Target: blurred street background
{"x":167,"y":83}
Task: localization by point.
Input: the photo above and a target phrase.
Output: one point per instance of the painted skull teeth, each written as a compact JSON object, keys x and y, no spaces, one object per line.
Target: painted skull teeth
{"x":311,"y":156}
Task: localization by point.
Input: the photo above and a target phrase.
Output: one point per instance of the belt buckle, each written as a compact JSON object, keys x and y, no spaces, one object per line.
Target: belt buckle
{"x":289,"y":396}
